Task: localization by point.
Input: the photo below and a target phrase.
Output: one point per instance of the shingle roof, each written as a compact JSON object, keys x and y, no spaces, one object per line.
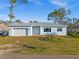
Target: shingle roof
{"x":34,"y":24}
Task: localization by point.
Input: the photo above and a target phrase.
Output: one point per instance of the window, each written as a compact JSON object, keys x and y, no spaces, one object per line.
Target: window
{"x":18,"y":28}
{"x":59,"y":29}
{"x":47,"y":29}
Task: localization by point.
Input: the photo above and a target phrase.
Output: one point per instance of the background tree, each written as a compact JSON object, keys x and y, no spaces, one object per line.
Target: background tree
{"x":69,"y":20}
{"x":59,"y":15}
{"x":12,"y":3}
{"x":75,"y":21}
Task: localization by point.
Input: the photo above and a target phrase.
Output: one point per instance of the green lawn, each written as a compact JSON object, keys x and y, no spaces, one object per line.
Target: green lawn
{"x":56,"y":45}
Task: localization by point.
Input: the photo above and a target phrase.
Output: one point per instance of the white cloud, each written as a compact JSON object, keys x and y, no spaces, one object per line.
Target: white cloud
{"x":3,"y":17}
{"x":58,"y":2}
{"x":36,"y":2}
{"x":3,"y":6}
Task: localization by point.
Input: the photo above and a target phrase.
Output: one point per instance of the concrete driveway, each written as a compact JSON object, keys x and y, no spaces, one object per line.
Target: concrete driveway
{"x":15,"y":56}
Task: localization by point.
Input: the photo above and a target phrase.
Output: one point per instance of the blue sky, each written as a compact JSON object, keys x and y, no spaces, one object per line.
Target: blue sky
{"x":37,"y":9}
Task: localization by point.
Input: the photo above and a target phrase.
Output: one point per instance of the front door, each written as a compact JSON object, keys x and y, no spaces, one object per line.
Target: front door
{"x":36,"y":30}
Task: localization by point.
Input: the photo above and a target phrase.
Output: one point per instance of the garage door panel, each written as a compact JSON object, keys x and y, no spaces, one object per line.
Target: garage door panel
{"x":20,"y":32}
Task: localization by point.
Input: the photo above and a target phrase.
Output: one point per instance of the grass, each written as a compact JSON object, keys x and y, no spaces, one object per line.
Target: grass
{"x":57,"y":45}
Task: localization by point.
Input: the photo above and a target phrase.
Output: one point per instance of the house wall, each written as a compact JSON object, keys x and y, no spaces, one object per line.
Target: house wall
{"x":53,"y":31}
{"x":30,"y":33}
{"x":10,"y":30}
{"x":64,"y":32}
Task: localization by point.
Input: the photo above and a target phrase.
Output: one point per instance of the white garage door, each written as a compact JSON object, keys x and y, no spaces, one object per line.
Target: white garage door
{"x":20,"y":32}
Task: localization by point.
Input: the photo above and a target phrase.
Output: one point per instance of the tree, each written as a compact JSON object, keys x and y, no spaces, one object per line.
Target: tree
{"x":59,"y":15}
{"x":12,"y":3}
{"x":75,"y":20}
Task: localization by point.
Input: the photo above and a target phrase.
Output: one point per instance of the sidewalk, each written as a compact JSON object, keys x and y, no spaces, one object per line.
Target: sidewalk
{"x":14,"y":56}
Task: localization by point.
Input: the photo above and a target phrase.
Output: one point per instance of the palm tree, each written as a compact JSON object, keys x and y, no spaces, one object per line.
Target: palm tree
{"x":12,"y":3}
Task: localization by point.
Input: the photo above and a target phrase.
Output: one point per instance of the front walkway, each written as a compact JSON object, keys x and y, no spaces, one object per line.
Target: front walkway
{"x":14,"y":56}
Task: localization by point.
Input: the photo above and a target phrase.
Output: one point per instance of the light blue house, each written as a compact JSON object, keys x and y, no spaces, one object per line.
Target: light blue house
{"x":36,"y":28}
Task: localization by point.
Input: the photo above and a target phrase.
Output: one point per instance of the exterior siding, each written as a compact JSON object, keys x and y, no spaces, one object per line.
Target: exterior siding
{"x":63,"y":33}
{"x":53,"y":31}
{"x":10,"y":31}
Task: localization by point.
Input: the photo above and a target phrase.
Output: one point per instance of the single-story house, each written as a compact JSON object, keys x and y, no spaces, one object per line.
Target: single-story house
{"x":36,"y":28}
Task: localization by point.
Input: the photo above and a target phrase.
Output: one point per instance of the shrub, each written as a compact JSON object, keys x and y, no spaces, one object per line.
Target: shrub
{"x":50,"y":39}
{"x":73,"y":34}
